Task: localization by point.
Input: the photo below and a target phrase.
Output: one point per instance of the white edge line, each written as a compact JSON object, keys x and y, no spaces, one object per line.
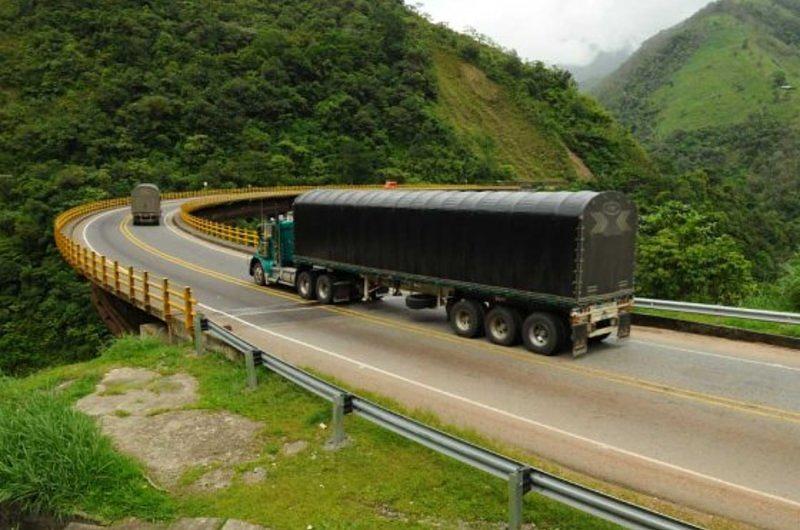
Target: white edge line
{"x":717,"y":355}
{"x":511,"y":415}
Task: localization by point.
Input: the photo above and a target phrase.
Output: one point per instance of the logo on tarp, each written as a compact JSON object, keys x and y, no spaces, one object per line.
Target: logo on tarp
{"x":613,"y":220}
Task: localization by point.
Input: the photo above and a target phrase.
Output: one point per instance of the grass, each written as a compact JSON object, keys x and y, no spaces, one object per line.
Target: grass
{"x":725,"y":80}
{"x":772,"y":328}
{"x":379,"y":481}
{"x":53,"y":460}
{"x":485,"y":116}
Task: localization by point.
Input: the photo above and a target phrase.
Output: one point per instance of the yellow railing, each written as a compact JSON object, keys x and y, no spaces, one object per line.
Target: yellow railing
{"x":249,"y":238}
{"x":154,"y":294}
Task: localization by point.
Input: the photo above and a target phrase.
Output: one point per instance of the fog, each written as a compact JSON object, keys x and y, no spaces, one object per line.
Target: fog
{"x":563,"y":31}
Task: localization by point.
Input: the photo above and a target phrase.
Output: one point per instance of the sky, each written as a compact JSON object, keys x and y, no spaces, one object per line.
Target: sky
{"x":567,"y":32}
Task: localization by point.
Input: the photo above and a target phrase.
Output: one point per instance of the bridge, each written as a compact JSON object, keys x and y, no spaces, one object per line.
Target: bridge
{"x":705,"y":423}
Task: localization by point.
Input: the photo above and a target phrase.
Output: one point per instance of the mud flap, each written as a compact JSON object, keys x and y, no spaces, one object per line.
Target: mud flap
{"x":624,"y":328}
{"x":342,"y":292}
{"x":580,"y":339}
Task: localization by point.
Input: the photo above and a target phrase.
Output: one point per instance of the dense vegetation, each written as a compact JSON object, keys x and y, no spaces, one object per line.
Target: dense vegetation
{"x":98,"y":95}
{"x":714,"y":101}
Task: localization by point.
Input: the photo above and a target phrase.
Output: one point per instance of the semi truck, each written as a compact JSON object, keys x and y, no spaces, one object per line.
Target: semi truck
{"x":553,"y":270}
{"x":146,"y":204}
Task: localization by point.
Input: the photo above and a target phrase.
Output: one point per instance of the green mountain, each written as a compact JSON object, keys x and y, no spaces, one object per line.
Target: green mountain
{"x":96,"y":95}
{"x":719,"y":94}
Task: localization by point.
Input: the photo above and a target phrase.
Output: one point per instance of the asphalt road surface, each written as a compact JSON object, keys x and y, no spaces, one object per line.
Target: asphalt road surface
{"x":707,"y":423}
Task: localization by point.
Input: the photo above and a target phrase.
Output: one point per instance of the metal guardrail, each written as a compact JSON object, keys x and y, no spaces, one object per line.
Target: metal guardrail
{"x":521,"y":478}
{"x":720,"y":311}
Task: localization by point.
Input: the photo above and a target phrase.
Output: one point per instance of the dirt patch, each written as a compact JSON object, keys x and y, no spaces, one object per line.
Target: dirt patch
{"x":479,"y":83}
{"x":137,"y":409}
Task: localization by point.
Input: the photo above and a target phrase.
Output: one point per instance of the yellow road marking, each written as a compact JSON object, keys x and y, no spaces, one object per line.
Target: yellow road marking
{"x":741,"y":406}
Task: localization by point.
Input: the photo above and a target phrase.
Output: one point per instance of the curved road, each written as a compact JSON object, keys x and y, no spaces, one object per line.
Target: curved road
{"x":706,"y":423}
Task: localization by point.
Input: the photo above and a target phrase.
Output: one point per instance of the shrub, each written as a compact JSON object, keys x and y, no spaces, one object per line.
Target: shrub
{"x":55,"y":461}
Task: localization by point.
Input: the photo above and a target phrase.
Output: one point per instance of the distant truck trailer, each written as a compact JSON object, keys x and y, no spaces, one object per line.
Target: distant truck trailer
{"x":553,"y":270}
{"x":146,"y":204}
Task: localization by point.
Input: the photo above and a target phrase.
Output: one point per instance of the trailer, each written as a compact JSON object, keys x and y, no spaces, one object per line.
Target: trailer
{"x":146,"y":204}
{"x":551,"y":269}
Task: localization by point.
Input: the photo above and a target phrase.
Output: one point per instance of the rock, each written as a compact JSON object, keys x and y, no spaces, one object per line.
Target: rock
{"x":254,"y":476}
{"x":233,"y":524}
{"x":173,"y":442}
{"x":214,"y":480}
{"x":136,"y":409}
{"x":198,"y":523}
{"x":292,"y":448}
{"x":138,"y":392}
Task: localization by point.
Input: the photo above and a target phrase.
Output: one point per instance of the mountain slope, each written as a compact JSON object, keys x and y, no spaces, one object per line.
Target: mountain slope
{"x":97,"y":95}
{"x":729,"y":61}
{"x":718,"y":94}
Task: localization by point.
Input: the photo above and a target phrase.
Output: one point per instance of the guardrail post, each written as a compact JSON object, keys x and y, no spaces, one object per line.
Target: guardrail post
{"x":250,"y":365}
{"x":146,"y":290}
{"x":516,"y":491}
{"x":94,"y":265}
{"x":103,"y":275}
{"x":338,"y":437}
{"x":200,"y":325}
{"x":116,"y":277}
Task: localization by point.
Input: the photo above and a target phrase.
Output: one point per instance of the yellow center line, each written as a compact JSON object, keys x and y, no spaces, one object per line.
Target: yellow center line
{"x":659,"y":388}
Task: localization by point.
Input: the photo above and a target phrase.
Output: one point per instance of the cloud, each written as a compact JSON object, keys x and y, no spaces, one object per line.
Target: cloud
{"x":563,"y":31}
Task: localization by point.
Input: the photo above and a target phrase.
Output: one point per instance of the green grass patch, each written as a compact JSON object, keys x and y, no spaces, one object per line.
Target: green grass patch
{"x":54,"y":461}
{"x":488,"y":120}
{"x":727,"y":79}
{"x":772,"y":328}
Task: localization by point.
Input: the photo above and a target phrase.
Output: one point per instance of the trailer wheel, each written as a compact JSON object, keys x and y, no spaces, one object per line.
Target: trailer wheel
{"x":466,"y":318}
{"x":542,"y":333}
{"x":502,"y":325}
{"x":325,"y":288}
{"x":258,"y":274}
{"x":305,"y":285}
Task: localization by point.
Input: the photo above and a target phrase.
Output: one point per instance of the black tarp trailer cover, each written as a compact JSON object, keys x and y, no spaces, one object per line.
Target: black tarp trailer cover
{"x":563,"y":248}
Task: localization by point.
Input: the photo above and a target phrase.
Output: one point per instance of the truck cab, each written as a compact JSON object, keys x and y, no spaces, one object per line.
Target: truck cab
{"x":273,"y":261}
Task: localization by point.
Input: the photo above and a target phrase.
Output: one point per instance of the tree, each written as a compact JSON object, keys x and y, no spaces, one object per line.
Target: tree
{"x":683,"y":256}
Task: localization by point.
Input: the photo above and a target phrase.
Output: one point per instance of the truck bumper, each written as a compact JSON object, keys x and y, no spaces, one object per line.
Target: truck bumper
{"x":599,"y":321}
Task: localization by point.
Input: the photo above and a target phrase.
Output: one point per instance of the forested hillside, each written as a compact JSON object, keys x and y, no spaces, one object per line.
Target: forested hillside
{"x":715,"y":100}
{"x":97,"y":95}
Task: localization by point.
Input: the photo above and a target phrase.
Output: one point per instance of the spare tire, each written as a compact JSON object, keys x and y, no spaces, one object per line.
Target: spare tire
{"x":419,"y":301}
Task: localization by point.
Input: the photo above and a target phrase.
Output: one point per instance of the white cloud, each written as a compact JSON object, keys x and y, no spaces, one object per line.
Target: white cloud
{"x":562,"y":31}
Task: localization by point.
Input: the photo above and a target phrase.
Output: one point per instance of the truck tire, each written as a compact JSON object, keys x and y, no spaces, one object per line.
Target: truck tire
{"x":542,"y":333}
{"x":503,"y":325}
{"x":324,"y":288}
{"x":306,"y":285}
{"x":421,"y":301}
{"x":258,"y":274}
{"x":466,"y":318}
